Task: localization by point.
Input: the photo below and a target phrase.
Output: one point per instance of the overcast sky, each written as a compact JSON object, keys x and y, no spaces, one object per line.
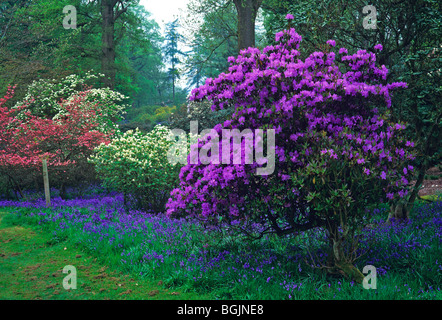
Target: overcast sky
{"x":164,"y":11}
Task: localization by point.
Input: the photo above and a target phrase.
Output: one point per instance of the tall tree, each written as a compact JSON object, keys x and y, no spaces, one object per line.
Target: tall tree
{"x":139,"y":61}
{"x":247,"y":11}
{"x":34,"y":45}
{"x":111,"y":10}
{"x":211,"y":43}
{"x":420,"y":105}
{"x":172,"y":52}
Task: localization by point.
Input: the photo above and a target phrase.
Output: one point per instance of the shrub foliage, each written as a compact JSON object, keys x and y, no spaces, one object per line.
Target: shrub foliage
{"x":337,"y":151}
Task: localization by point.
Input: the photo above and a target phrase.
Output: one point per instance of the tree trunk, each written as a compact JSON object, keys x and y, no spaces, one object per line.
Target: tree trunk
{"x":63,"y":191}
{"x":16,"y":188}
{"x":13,"y":188}
{"x":173,"y":82}
{"x":351,"y":272}
{"x":419,"y":181}
{"x":401,"y":212}
{"x":339,"y":264}
{"x":339,"y":261}
{"x":398,"y":212}
{"x":247,"y":11}
{"x":107,"y":42}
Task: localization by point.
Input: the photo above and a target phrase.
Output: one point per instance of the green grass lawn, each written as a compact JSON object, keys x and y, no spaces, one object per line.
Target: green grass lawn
{"x":128,"y":257}
{"x":31,"y":268}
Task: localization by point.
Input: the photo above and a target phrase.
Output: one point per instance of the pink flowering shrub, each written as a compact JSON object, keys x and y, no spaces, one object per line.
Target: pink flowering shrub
{"x":336,"y":151}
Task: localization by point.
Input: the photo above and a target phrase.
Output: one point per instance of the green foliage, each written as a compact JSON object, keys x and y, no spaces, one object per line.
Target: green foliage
{"x":421,"y":106}
{"x":147,"y":117}
{"x":139,"y":52}
{"x":32,"y":42}
{"x":201,"y":112}
{"x":34,"y":45}
{"x":213,"y":38}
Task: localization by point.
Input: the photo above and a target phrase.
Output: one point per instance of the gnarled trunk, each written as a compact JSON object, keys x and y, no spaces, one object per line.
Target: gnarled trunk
{"x":342,"y":265}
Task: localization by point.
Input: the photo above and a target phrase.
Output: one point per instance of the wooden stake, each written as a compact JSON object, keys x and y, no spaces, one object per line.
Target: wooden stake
{"x":46,"y":183}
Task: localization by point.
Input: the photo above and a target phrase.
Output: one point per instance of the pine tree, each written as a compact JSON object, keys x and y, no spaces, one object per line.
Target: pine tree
{"x":172,"y":53}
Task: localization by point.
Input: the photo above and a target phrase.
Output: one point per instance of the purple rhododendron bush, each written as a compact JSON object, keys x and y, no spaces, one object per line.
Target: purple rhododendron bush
{"x":337,"y":153}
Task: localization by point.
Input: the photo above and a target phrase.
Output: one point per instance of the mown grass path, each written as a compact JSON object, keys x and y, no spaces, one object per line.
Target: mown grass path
{"x":31,"y":267}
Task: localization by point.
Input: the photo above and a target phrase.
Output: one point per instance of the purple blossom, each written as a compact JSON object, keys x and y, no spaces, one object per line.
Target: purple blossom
{"x":402,"y":193}
{"x":378,"y":47}
{"x":318,"y":105}
{"x":289,"y":17}
{"x":331,"y":43}
{"x":279,"y":35}
{"x":404,"y":180}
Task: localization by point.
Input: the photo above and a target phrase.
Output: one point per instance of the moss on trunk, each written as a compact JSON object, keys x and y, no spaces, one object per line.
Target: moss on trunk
{"x":351,"y":272}
{"x":342,"y":264}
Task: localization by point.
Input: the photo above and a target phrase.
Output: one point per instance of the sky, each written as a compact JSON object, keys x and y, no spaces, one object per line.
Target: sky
{"x":164,"y":11}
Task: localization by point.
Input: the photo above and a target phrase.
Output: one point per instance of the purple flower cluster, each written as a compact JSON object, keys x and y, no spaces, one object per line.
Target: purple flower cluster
{"x":110,"y":201}
{"x":320,"y":100}
{"x":155,"y":245}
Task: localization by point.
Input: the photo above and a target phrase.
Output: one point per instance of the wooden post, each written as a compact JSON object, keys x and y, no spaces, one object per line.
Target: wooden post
{"x":46,"y":183}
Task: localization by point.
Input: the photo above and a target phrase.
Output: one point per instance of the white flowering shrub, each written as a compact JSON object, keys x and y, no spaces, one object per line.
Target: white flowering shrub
{"x":142,"y":166}
{"x":43,"y":99}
